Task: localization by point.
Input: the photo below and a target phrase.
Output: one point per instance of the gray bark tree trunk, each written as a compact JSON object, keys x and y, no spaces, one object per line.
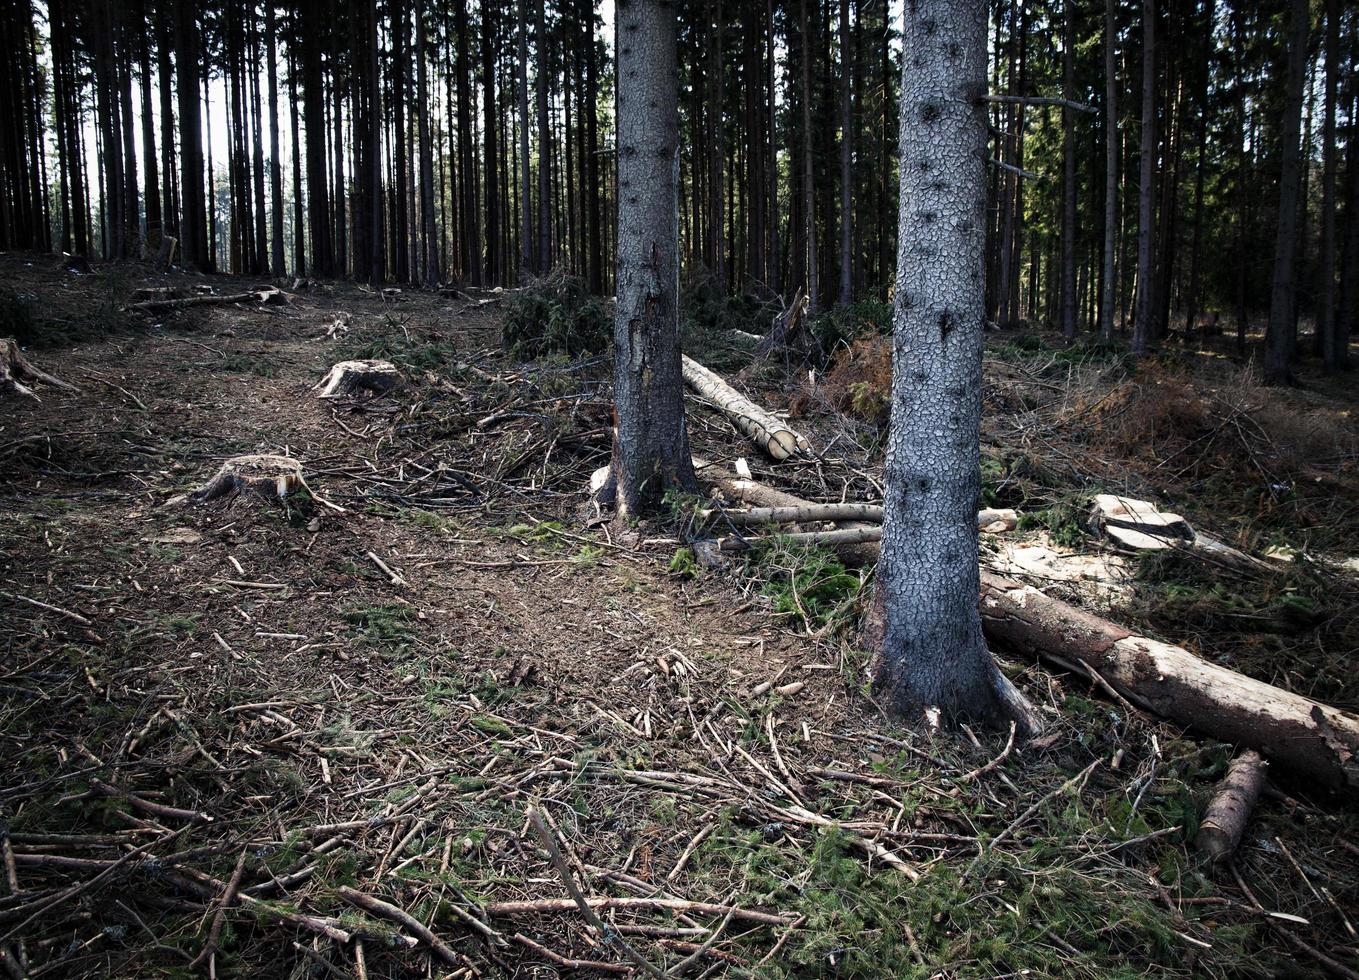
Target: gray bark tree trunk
{"x":1106,"y":307}
{"x":808,"y":188}
{"x":428,"y":222}
{"x":1144,"y":315}
{"x":651,"y":443}
{"x":1281,"y":336}
{"x":932,"y":657}
{"x":275,"y":156}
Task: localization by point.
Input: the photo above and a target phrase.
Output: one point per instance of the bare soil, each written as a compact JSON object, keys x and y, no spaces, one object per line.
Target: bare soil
{"x":303,"y":701}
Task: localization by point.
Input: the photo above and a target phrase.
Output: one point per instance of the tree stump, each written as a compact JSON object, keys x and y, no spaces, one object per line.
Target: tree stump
{"x":15,"y":369}
{"x":349,"y":378}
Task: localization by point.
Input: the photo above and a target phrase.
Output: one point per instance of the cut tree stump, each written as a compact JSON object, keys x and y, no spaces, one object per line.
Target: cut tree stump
{"x":265,"y":474}
{"x":15,"y":370}
{"x":1138,"y":525}
{"x":1224,"y":822}
{"x":349,"y":378}
{"x":775,"y":438}
{"x":785,"y":328}
{"x":1307,"y":738}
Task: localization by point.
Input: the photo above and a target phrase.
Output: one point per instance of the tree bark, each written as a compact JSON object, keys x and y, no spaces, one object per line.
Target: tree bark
{"x":808,"y":187}
{"x":526,"y":259}
{"x":544,"y":143}
{"x":1281,"y":336}
{"x":651,"y":443}
{"x":1326,"y":318}
{"x":428,"y":220}
{"x":933,"y":659}
{"x":275,"y":155}
{"x":846,"y":162}
{"x":488,"y":43}
{"x":194,"y":240}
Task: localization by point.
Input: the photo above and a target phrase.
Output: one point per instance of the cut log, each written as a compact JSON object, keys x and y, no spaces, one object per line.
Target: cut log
{"x":265,"y":474}
{"x":775,"y":438}
{"x":987,"y":520}
{"x":266,"y":295}
{"x":1138,"y":525}
{"x":1305,"y":737}
{"x":147,"y":294}
{"x":349,"y":378}
{"x":1230,"y":808}
{"x":17,"y":373}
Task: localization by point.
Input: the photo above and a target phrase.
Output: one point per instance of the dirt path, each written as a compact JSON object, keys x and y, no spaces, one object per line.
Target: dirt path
{"x":262,"y":686}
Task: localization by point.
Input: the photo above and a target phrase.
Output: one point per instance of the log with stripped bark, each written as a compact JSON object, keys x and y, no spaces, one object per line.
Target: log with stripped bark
{"x":775,"y":438}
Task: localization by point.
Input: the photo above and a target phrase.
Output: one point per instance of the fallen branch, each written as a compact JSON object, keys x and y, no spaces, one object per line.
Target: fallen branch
{"x":266,"y":295}
{"x":776,"y":439}
{"x":1230,"y":808}
{"x":390,"y":912}
{"x":635,"y":902}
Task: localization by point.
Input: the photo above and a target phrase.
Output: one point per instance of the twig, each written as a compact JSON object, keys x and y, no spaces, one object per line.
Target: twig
{"x":75,"y":617}
{"x":1038,"y":100}
{"x":1005,"y":753}
{"x":570,"y":964}
{"x":228,"y":896}
{"x":559,"y":862}
{"x":1019,"y":821}
{"x":388,"y":911}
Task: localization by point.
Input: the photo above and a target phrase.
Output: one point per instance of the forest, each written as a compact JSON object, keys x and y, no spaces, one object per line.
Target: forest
{"x":796,"y":488}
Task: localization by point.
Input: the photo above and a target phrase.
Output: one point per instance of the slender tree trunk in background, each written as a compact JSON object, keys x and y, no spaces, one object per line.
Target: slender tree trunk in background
{"x":275,"y":155}
{"x":299,"y":223}
{"x":716,"y":190}
{"x":1326,"y":319}
{"x":340,"y":189}
{"x":651,"y":443}
{"x":261,"y":205}
{"x":1204,"y":110}
{"x":1068,"y":270}
{"x":1347,"y":312}
{"x":527,"y":263}
{"x":596,"y":246}
{"x":775,"y":251}
{"x":1108,"y":279}
{"x":428,"y":221}
{"x":372,"y":148}
{"x":314,"y":113}
{"x":808,"y":188}
{"x":544,"y":143}
{"x":151,"y":194}
{"x":1281,"y":337}
{"x":469,"y":245}
{"x":846,"y":162}
{"x":165,"y":84}
{"x":488,"y":42}
{"x":932,"y":659}
{"x":1144,"y":313}
{"x":194,"y":246}
{"x":131,"y":190}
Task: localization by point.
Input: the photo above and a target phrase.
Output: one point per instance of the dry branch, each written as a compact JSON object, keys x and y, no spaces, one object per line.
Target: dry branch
{"x":776,"y":439}
{"x":636,"y":902}
{"x":265,"y":295}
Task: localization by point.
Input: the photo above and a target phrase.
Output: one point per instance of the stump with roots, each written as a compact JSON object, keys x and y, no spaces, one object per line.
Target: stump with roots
{"x":270,"y":476}
{"x":349,"y":378}
{"x":15,"y":369}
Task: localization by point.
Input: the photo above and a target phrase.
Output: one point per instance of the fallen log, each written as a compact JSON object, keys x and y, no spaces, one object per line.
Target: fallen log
{"x":775,"y":438}
{"x":1305,"y":737}
{"x":1230,"y":808}
{"x":265,"y":295}
{"x":15,"y":370}
{"x":1301,"y":735}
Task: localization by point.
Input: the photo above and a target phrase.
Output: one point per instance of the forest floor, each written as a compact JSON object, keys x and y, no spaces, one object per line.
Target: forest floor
{"x":309,"y":710}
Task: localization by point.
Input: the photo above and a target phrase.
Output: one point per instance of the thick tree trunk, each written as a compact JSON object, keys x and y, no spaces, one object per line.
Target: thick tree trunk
{"x":933,"y":658}
{"x":651,"y":443}
{"x":194,"y":240}
{"x":1144,"y":314}
{"x":1281,"y":336}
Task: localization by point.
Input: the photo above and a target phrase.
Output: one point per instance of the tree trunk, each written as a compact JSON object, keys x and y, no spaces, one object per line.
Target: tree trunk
{"x":1108,"y":280}
{"x":716,"y":189}
{"x":428,"y":222}
{"x":544,"y":143}
{"x":651,"y":443}
{"x":1281,"y":336}
{"x":151,"y":194}
{"x":1326,"y":319}
{"x":846,"y":162}
{"x":1068,"y":270}
{"x":469,"y":245}
{"x":194,"y":238}
{"x":488,"y":49}
{"x":808,"y":188}
{"x":526,"y":258}
{"x":1144,"y":314}
{"x":933,"y":659}
{"x":275,"y":156}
